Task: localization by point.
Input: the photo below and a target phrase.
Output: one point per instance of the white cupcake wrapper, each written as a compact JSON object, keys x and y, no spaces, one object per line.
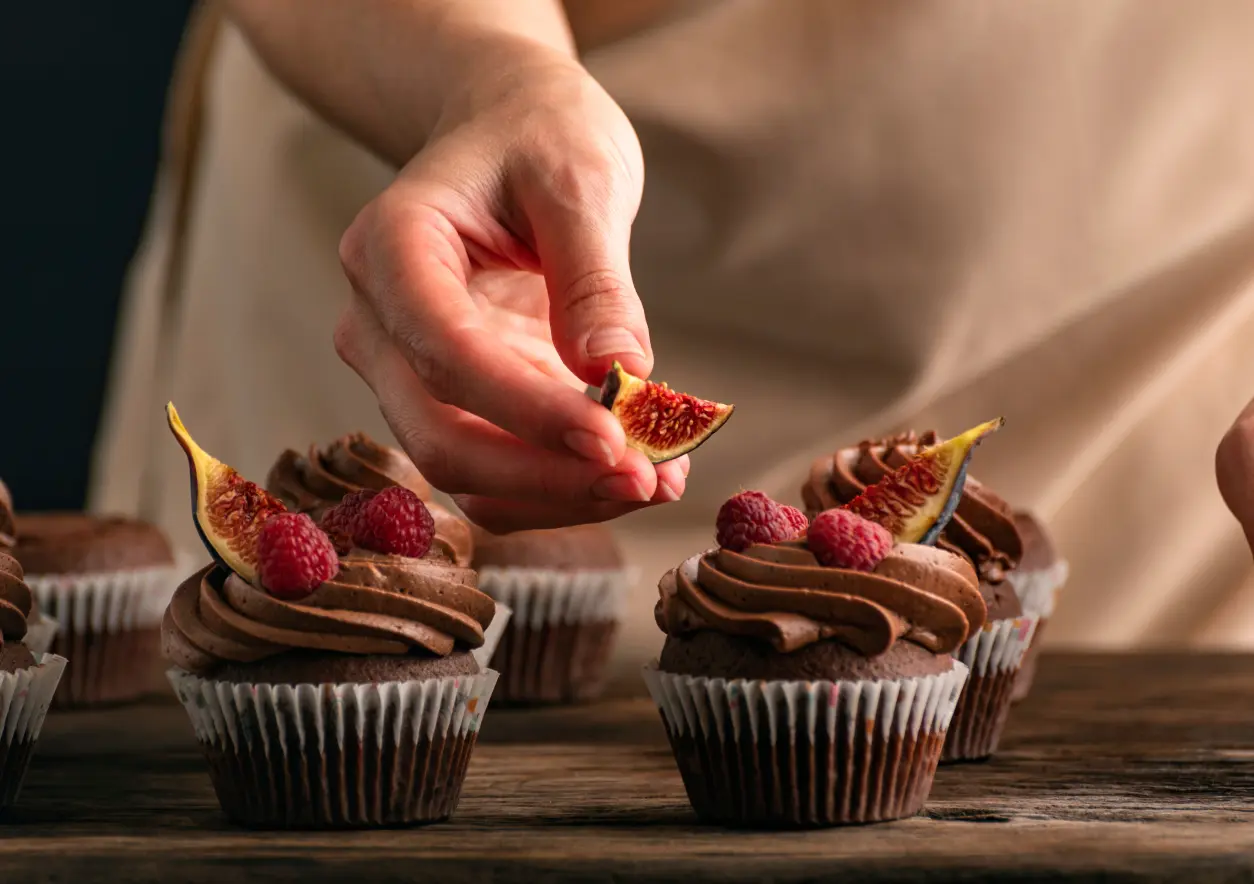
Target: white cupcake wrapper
{"x":110,"y":602}
{"x":25,"y":697}
{"x":492,"y":635}
{"x":1038,"y":589}
{"x":41,"y":634}
{"x":998,"y":647}
{"x":336,"y":754}
{"x":839,"y":752}
{"x":542,"y":596}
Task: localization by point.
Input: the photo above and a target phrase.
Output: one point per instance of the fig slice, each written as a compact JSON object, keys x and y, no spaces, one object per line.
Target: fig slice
{"x":228,"y":510}
{"x":659,"y":422}
{"x":917,"y":499}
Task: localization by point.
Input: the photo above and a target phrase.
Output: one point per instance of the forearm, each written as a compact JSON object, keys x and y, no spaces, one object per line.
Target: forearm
{"x":381,"y":69}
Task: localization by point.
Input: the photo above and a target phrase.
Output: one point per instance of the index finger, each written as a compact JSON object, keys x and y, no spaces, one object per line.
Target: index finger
{"x":408,"y":260}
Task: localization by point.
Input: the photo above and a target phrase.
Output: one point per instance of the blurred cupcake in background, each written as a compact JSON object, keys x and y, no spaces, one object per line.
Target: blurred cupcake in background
{"x":1037,"y":581}
{"x":983,"y":530}
{"x":105,"y":581}
{"x":317,"y":480}
{"x":566,"y":588}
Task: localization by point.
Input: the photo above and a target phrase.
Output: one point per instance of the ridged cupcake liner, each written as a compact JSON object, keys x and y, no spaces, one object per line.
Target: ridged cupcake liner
{"x":41,"y":634}
{"x":994,"y":656}
{"x":492,"y":635}
{"x":1038,"y":592}
{"x":25,"y":696}
{"x":801,"y":754}
{"x":110,"y":630}
{"x":337,"y":755}
{"x":561,"y":635}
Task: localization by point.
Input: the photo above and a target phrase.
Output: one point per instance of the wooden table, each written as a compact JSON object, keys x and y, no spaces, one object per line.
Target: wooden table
{"x":1122,"y":768}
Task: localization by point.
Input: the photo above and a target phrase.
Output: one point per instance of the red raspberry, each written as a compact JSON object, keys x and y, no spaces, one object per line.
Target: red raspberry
{"x":751,"y":517}
{"x":293,"y":557}
{"x":396,"y":522}
{"x":843,"y":539}
{"x":339,"y":520}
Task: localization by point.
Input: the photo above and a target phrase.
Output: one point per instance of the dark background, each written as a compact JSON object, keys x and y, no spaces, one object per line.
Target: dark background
{"x":84,"y":86}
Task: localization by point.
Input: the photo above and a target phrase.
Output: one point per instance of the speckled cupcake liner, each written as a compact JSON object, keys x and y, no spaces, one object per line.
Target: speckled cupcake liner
{"x":110,"y":630}
{"x":1038,"y":592}
{"x":25,"y":696}
{"x":337,"y":755}
{"x":561,"y":635}
{"x":802,"y":754}
{"x":41,"y":634}
{"x":994,"y":656}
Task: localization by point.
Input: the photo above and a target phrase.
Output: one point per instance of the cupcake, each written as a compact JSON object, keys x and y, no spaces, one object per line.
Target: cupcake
{"x":565,"y":587}
{"x":808,"y":677}
{"x":105,"y":581}
{"x":327,"y":690}
{"x":314,"y":482}
{"x":40,"y":628}
{"x":1037,"y":580}
{"x":28,"y":679}
{"x":983,"y":530}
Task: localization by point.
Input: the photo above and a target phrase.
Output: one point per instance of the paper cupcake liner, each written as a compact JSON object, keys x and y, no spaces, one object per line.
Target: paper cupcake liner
{"x":492,"y":635}
{"x":994,"y":656}
{"x":806,"y":753}
{"x":1037,"y":591}
{"x":337,"y":755}
{"x":25,"y":696}
{"x":40,"y":634}
{"x":110,"y":630}
{"x":562,"y":632}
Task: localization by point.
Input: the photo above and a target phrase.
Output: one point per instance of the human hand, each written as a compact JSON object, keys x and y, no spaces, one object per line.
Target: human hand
{"x":491,"y":283}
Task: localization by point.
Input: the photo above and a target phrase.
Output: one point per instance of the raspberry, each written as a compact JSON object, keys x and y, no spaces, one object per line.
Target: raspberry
{"x":396,"y":522}
{"x":751,"y":517}
{"x":339,"y":520}
{"x":293,"y":556}
{"x":843,"y":539}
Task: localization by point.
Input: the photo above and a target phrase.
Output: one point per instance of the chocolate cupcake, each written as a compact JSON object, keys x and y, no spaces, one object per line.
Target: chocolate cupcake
{"x":797,"y":693}
{"x":40,"y":628}
{"x":317,"y":480}
{"x":983,"y":531}
{"x":565,"y":587}
{"x":328,"y":689}
{"x":28,"y":680}
{"x":105,"y":581}
{"x":1037,"y":580}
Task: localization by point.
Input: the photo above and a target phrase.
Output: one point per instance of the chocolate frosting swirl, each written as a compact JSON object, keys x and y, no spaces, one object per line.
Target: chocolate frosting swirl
{"x":780,"y":594}
{"x":375,"y":605}
{"x":314,"y":482}
{"x":16,"y":600}
{"x":982,"y":529}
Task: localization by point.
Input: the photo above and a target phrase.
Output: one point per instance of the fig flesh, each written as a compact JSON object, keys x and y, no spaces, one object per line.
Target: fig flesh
{"x":659,"y":422}
{"x":916,"y":500}
{"x":227,"y":509}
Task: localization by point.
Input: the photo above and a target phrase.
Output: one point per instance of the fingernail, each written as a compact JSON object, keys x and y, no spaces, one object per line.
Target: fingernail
{"x":613,"y":342}
{"x":619,"y":487}
{"x":590,"y":446}
{"x":685,"y":465}
{"x":666,"y":493}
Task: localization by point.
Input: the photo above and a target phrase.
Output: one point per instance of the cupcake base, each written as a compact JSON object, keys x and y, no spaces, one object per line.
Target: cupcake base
{"x":553,"y":662}
{"x":25,"y":696}
{"x":994,"y":655}
{"x":106,"y":669}
{"x":792,"y":754}
{"x":1027,"y":672}
{"x":337,"y":755}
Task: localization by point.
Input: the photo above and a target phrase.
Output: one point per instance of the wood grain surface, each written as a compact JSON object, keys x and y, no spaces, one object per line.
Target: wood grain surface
{"x":1118,"y":768}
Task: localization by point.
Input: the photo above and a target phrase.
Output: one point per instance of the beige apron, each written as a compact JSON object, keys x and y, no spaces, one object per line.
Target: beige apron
{"x":858,"y":216}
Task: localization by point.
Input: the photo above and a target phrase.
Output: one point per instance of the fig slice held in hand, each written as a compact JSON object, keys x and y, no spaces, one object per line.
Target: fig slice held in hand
{"x":228,"y":509}
{"x":659,"y":422}
{"x":917,"y":499}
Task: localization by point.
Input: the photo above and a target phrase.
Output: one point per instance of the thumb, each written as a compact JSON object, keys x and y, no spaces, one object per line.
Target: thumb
{"x":594,"y":312}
